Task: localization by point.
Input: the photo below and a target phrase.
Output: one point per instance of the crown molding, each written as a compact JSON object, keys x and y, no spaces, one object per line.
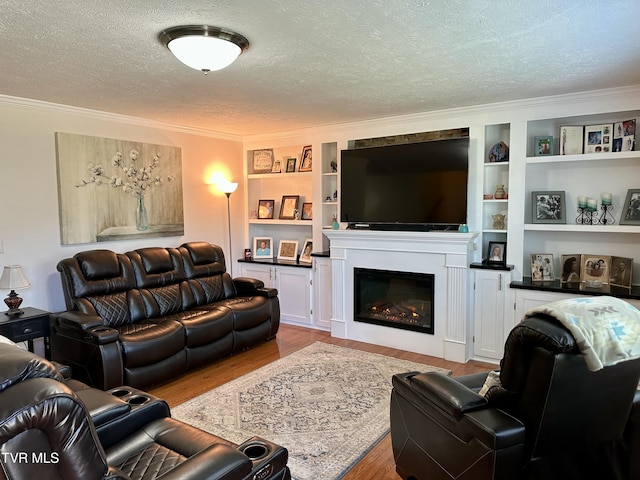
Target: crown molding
{"x":26,"y":103}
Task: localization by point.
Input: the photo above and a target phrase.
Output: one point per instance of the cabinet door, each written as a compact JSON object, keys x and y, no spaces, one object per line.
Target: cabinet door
{"x":294,"y":292}
{"x":322,"y":292}
{"x":490,"y":297}
{"x":259,"y":272}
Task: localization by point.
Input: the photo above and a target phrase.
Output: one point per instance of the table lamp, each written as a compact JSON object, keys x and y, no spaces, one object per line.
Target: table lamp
{"x":13,"y":279}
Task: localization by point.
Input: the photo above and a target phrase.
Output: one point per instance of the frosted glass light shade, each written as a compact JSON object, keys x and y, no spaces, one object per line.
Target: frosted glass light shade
{"x":204,"y":48}
{"x":227,"y":187}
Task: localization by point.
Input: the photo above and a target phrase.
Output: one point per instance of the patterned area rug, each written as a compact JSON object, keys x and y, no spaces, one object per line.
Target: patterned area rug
{"x":327,"y":405}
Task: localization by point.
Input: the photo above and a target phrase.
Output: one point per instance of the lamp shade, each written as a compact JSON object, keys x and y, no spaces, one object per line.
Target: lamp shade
{"x":203,"y":47}
{"x":13,"y":278}
{"x":227,"y":187}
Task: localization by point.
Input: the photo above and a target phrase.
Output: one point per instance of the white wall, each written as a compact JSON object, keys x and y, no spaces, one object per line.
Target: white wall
{"x":29,"y":218}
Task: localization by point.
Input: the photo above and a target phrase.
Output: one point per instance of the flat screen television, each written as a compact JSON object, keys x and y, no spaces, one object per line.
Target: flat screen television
{"x":412,"y":186}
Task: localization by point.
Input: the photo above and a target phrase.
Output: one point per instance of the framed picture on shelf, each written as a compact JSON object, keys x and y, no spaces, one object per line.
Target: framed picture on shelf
{"x":289,"y":207}
{"x":621,"y":270}
{"x":598,"y":138}
{"x":307,"y":211}
{"x":307,"y":248}
{"x":291,"y":164}
{"x":595,"y":267}
{"x":571,"y":140}
{"x":288,"y":250}
{"x":497,"y":253}
{"x":624,"y":134}
{"x":277,"y":166}
{"x":548,"y":207}
{"x":542,"y":267}
{"x":265,"y":209}
{"x":263,"y":160}
{"x":263,"y":247}
{"x":306,"y":161}
{"x":570,"y":268}
{"x":631,"y":209}
{"x":543,"y":146}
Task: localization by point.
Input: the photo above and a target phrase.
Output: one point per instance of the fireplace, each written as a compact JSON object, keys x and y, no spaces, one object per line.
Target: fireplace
{"x":394,"y":299}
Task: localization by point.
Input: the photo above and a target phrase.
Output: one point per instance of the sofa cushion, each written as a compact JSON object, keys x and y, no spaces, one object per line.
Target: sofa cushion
{"x":17,"y":365}
{"x":150,"y":341}
{"x":206,"y":326}
{"x":248,"y":312}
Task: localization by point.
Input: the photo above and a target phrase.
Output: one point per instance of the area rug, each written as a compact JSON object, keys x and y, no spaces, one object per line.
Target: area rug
{"x":327,"y":405}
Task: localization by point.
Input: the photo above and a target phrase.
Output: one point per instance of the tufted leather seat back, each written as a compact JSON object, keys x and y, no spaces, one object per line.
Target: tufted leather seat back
{"x":205,"y":269}
{"x":100,"y":282}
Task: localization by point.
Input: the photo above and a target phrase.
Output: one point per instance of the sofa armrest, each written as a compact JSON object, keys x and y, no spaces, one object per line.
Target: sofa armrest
{"x":216,"y":461}
{"x":88,"y":328}
{"x":252,"y":286}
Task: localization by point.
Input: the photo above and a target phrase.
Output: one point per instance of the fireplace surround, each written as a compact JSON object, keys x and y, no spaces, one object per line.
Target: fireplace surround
{"x":445,"y":255}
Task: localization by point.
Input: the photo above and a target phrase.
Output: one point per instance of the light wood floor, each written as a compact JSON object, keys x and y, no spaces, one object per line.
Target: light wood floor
{"x":378,"y":464}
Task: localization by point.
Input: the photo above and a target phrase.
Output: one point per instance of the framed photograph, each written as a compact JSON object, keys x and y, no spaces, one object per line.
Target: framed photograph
{"x":277,"y":166}
{"x":548,"y":207}
{"x":542,"y":267}
{"x":288,"y":250}
{"x":595,"y":267}
{"x":248,"y":255}
{"x":631,"y":209}
{"x":289,"y":207}
{"x":307,"y":211}
{"x":543,"y":146}
{"x":291,"y":165}
{"x":571,"y":140}
{"x":307,"y":248}
{"x":497,"y":253}
{"x":265,"y":209}
{"x":306,"y":159}
{"x":624,"y":134}
{"x":621,"y":270}
{"x":263,"y":247}
{"x":598,"y":138}
{"x":570,"y":268}
{"x":262,"y":160}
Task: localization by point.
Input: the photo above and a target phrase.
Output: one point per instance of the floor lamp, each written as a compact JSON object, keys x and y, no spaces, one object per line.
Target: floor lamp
{"x":228,"y":188}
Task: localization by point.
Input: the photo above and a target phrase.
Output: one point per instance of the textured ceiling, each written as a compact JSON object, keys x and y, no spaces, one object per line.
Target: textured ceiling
{"x":315,"y":63}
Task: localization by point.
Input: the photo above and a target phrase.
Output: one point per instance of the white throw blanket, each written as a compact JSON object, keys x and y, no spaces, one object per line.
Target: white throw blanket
{"x":606,"y":329}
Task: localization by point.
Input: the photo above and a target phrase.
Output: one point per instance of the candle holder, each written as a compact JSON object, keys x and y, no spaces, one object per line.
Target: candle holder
{"x":607,"y":217}
{"x":587,"y":216}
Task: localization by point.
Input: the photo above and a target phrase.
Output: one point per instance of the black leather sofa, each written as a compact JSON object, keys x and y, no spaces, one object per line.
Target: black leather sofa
{"x":146,"y":316}
{"x":57,"y":429}
{"x":548,"y":417}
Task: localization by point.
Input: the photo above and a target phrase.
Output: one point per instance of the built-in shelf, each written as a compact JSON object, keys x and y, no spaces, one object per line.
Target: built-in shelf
{"x":272,"y":176}
{"x":545,"y":227}
{"x":578,"y":288}
{"x":586,"y":157}
{"x":297,"y":223}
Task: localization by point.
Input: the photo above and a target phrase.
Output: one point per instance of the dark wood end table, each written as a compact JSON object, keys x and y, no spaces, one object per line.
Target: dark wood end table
{"x":33,"y":323}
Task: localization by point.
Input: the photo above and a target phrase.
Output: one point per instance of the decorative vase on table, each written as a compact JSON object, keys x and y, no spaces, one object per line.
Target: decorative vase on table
{"x":499,"y":193}
{"x":142,"y":220}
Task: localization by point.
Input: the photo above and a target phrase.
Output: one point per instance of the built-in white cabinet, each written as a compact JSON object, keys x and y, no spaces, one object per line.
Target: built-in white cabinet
{"x":294,"y":288}
{"x":322,"y":292}
{"x":492,"y":312}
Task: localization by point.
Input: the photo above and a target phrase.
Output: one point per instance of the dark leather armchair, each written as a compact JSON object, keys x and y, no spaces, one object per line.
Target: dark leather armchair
{"x":549,"y":417}
{"x":58,"y":429}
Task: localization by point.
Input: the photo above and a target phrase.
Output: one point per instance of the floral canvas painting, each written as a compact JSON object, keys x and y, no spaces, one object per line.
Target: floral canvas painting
{"x":113,"y":190}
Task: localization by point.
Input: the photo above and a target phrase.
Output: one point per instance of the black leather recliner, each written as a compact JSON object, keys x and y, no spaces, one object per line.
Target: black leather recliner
{"x":58,"y":429}
{"x":551,"y":418}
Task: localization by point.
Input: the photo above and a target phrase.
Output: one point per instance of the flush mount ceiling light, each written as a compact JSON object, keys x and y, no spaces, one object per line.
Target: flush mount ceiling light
{"x":203,"y":47}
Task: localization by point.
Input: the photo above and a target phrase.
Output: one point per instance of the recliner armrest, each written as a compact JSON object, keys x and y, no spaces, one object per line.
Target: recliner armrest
{"x":223,"y":461}
{"x":88,"y":328}
{"x":452,"y":397}
{"x":252,"y":286}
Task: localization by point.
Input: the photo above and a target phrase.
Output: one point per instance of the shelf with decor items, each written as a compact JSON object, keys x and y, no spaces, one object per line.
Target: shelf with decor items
{"x":330,"y":188}
{"x":601,"y":177}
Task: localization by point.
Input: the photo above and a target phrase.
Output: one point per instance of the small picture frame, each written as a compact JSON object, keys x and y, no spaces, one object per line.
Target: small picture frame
{"x":571,"y":140}
{"x":621,"y":272}
{"x":277,"y":166}
{"x":598,"y":138}
{"x":247,"y":254}
{"x":497,"y":253}
{"x":548,"y":207}
{"x":624,"y":134}
{"x":263,"y":248}
{"x":543,"y":146}
{"x":265,"y":209}
{"x":288,"y":250}
{"x":307,"y":211}
{"x":570,"y":267}
{"x":542,"y":267}
{"x":307,"y":248}
{"x":631,"y":209}
{"x":291,"y":164}
{"x":262,"y":160}
{"x":306,"y":159}
{"x":595,"y":267}
{"x":289,"y":207}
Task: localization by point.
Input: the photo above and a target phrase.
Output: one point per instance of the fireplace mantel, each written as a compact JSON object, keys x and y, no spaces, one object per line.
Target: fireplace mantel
{"x":446,"y":255}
